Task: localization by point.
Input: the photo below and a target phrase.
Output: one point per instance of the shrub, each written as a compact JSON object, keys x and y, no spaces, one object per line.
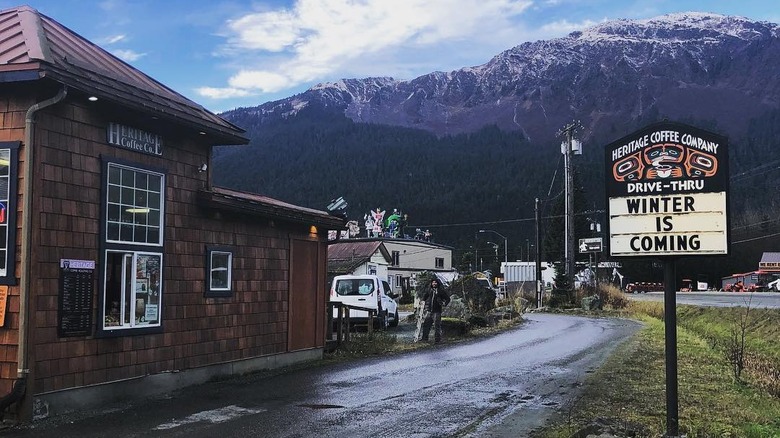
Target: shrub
{"x":612,"y":297}
{"x":456,"y":309}
{"x":478,"y":298}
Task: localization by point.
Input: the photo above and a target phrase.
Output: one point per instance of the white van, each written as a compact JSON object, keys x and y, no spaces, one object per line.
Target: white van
{"x":365,"y":291}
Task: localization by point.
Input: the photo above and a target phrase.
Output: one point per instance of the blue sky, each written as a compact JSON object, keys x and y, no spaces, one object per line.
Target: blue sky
{"x":232,"y":53}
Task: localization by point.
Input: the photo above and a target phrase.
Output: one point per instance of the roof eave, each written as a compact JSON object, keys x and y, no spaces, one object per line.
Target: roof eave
{"x":219,"y":201}
{"x":221,"y":135}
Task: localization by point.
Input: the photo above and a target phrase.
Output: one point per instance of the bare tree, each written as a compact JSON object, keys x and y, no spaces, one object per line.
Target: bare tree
{"x":735,"y":346}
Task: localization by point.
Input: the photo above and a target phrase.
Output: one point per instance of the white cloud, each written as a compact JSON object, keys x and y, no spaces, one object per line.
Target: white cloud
{"x":563,"y":27}
{"x":127,"y":55}
{"x":265,"y":81}
{"x":314,"y":40}
{"x":112,"y":39}
{"x":222,"y":93}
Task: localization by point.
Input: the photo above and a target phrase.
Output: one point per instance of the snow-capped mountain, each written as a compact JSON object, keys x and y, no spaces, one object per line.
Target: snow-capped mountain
{"x":688,"y":66}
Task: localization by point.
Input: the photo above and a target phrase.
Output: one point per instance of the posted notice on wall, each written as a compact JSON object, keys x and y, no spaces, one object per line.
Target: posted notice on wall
{"x":667,"y":192}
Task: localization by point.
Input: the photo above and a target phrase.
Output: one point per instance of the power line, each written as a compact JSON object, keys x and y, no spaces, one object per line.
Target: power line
{"x":528,"y":219}
{"x":756,"y":238}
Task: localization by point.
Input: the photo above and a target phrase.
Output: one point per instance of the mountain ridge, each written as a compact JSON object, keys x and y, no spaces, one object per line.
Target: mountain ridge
{"x":476,"y":145}
{"x":510,"y":90}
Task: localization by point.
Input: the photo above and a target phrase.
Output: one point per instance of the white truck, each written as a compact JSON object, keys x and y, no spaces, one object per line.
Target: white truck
{"x":366,"y":291}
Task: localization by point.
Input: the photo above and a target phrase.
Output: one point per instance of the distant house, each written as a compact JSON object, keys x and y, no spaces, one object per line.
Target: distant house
{"x":122,"y":269}
{"x":770,"y":262}
{"x":768,"y":272}
{"x":408,"y":257}
{"x":358,"y":257}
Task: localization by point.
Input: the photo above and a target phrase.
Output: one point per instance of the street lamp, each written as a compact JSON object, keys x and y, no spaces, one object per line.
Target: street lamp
{"x":503,"y":237}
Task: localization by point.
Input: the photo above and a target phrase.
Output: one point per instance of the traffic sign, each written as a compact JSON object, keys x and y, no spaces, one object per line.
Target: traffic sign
{"x":593,"y":244}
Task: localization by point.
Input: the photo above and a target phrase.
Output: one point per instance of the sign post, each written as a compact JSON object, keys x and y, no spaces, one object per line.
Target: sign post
{"x":666,"y":188}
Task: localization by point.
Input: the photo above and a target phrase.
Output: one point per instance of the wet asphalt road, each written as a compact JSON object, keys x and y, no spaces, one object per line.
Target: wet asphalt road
{"x":504,"y":385}
{"x":756,"y":300}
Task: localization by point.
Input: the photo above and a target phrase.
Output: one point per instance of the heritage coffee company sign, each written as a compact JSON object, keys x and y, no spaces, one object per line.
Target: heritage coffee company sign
{"x":667,"y":187}
{"x":134,"y":139}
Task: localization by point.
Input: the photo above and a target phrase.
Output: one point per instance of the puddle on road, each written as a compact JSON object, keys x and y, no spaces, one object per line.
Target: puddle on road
{"x":320,"y":406}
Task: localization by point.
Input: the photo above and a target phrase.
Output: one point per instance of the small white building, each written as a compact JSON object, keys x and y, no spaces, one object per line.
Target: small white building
{"x":519,"y":272}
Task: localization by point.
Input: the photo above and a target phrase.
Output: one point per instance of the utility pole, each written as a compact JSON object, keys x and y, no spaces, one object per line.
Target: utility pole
{"x":539,"y":282}
{"x":567,"y":132}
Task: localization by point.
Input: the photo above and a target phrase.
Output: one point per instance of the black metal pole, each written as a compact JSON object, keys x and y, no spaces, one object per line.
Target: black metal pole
{"x":539,"y":283}
{"x":670,"y":325}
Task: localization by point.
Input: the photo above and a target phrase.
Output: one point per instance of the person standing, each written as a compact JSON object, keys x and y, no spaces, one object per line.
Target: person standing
{"x":434,"y":300}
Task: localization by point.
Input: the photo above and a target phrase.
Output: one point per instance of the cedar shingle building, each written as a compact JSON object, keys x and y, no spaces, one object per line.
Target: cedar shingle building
{"x":119,"y":262}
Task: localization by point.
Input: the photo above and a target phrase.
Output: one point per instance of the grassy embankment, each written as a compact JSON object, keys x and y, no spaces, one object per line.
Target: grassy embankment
{"x":630,"y":387}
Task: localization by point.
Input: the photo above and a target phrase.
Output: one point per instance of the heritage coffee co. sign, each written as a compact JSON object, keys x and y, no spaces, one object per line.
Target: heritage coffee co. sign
{"x":135,"y":139}
{"x":667,"y":188}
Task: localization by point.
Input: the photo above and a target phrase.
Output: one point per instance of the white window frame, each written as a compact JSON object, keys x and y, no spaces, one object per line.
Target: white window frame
{"x":130,"y":205}
{"x":211,"y":289}
{"x":138,"y":284}
{"x":439,"y":262}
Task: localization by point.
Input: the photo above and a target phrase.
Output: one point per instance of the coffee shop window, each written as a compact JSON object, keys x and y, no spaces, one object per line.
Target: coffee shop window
{"x":133,"y":291}
{"x":134,"y":205}
{"x":132,"y":248}
{"x":8,"y":177}
{"x":220,"y":272}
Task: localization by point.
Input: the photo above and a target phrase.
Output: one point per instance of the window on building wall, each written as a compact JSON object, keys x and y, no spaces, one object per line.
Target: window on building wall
{"x":220,"y":272}
{"x":134,"y":206}
{"x":396,"y":256}
{"x":133,"y":237}
{"x":8,"y":177}
{"x":439,"y":263}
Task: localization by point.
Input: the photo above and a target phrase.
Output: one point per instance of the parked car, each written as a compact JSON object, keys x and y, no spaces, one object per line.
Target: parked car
{"x":367,"y":291}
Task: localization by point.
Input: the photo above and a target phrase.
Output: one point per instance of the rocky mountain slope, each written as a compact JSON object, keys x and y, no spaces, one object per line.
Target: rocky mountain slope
{"x":680,"y":66}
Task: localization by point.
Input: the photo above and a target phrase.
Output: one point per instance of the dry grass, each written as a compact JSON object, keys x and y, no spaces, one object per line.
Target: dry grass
{"x":631,"y":385}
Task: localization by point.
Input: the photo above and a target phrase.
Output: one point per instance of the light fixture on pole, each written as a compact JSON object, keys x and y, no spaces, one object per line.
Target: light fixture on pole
{"x":570,"y":146}
{"x":503,"y":237}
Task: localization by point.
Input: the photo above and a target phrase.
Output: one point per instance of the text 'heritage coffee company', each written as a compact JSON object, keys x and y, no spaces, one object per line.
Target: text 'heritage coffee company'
{"x":667,"y":188}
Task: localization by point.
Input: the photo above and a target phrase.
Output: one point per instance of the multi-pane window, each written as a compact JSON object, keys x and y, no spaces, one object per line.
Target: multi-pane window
{"x":134,"y":206}
{"x":8,"y":174}
{"x":439,"y":263}
{"x":220,"y":272}
{"x":396,"y":258}
{"x":133,"y":259}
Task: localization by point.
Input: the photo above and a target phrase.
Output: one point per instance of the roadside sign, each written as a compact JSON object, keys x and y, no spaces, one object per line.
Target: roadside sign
{"x":590,"y":245}
{"x":667,"y":187}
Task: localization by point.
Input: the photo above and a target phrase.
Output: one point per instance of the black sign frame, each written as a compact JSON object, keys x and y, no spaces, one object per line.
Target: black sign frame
{"x":687,"y":137}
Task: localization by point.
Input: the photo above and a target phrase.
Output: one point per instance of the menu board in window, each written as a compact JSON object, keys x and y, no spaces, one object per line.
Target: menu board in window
{"x":74,"y":317}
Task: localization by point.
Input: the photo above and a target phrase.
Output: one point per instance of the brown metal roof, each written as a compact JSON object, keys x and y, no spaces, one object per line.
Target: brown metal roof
{"x":346,"y":250}
{"x":341,"y":267}
{"x":250,"y":203}
{"x":31,"y":41}
{"x":346,"y":256}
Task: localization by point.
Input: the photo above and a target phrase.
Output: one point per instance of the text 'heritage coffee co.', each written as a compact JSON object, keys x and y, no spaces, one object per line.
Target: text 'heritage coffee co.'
{"x":134,"y":139}
{"x":667,"y":190}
